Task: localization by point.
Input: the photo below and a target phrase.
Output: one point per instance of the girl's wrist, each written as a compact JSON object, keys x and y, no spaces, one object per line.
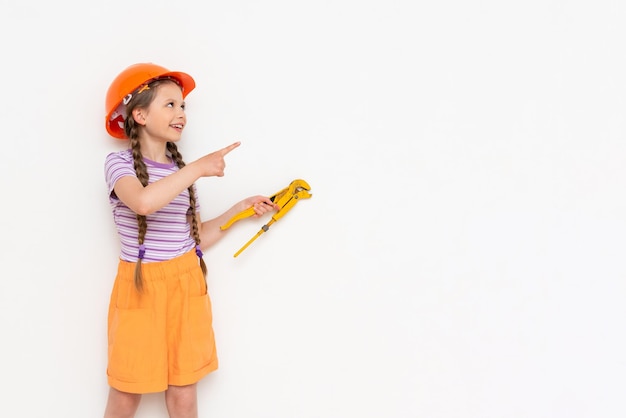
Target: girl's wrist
{"x":195,"y":169}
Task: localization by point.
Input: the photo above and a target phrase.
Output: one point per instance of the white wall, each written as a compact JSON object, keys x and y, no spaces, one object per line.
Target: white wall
{"x":461,"y":257}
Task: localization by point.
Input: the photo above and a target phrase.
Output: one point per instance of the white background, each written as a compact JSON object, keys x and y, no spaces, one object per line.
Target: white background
{"x":462,"y":255}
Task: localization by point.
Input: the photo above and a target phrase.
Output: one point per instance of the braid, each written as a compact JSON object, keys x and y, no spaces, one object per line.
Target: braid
{"x":142,"y":175}
{"x":195,"y":231}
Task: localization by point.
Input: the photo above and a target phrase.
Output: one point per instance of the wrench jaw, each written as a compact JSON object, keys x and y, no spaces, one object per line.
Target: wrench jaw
{"x":285,"y":199}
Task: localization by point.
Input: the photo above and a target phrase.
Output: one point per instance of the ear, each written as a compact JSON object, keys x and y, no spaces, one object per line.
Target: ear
{"x":138,"y":116}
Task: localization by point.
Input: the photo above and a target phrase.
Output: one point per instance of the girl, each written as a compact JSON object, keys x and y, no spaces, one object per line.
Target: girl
{"x":159,"y":322}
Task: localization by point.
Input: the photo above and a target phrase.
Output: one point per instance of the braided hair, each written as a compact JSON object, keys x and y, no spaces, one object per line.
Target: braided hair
{"x":142,"y":99}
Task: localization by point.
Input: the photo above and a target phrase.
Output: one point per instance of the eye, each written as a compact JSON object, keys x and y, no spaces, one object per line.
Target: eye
{"x":170,"y":104}
{"x":183,"y":106}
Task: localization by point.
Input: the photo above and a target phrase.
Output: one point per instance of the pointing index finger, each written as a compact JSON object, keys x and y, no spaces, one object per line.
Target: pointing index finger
{"x":229,"y":148}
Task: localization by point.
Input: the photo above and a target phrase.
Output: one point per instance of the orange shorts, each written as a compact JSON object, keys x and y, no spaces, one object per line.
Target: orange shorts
{"x":164,"y":335}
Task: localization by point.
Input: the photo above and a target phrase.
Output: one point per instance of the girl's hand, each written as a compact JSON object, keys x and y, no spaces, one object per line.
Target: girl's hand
{"x":213,"y":164}
{"x":261,"y":205}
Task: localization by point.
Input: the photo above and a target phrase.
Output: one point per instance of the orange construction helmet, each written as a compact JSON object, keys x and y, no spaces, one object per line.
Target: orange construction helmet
{"x":127,"y":83}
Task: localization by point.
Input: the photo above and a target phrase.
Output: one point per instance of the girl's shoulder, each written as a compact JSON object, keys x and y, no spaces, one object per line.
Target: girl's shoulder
{"x":124,"y":156}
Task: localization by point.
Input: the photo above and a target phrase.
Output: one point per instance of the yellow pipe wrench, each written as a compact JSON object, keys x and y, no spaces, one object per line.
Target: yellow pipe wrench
{"x":284,"y":199}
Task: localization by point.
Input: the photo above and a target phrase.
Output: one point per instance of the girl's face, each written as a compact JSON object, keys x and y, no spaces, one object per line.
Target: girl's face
{"x":165,"y":119}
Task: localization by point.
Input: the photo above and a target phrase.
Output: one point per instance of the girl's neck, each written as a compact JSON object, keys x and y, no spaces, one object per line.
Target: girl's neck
{"x":155,"y":151}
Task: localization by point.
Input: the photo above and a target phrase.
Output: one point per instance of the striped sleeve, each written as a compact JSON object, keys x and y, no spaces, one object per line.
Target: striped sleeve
{"x":117,"y":165}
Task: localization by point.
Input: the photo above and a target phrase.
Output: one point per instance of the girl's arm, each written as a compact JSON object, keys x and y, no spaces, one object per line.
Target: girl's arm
{"x":146,"y":200}
{"x":210,"y":231}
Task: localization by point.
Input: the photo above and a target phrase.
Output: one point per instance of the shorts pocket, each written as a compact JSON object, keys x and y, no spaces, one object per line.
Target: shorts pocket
{"x":133,"y":346}
{"x":200,"y":327}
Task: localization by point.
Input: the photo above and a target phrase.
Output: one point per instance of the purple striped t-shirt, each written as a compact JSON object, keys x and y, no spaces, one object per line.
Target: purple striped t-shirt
{"x":168,"y":233}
